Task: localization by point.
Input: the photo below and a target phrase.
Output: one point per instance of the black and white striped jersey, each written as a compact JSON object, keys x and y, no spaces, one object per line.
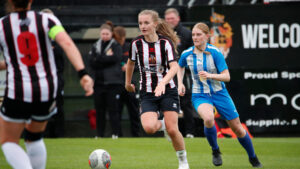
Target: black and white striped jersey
{"x":26,"y":44}
{"x":153,"y":60}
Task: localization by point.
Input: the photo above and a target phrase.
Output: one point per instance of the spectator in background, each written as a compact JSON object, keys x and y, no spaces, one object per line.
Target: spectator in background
{"x":128,"y":98}
{"x":173,"y":19}
{"x":210,"y":71}
{"x":105,"y":62}
{"x":156,"y":57}
{"x":31,"y":81}
{"x":55,"y":127}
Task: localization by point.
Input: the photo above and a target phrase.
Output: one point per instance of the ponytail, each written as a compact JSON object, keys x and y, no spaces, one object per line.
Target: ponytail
{"x":163,"y":28}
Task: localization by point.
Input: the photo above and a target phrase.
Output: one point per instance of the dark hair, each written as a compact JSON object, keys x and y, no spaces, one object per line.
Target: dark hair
{"x":20,"y":3}
{"x":107,"y":25}
{"x":119,"y":33}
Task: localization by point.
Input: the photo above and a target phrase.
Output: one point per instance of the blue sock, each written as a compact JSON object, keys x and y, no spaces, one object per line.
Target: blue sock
{"x":247,"y":144}
{"x":211,"y":136}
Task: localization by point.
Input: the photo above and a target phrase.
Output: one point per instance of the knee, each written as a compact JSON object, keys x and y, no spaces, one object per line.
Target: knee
{"x":30,"y":136}
{"x":239,"y":131}
{"x":149,"y":129}
{"x":209,"y":122}
{"x":172,"y":131}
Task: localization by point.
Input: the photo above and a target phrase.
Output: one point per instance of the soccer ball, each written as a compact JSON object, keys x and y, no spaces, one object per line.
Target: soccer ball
{"x":99,"y":159}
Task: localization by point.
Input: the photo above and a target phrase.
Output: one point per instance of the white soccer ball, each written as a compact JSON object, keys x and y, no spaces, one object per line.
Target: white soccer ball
{"x":99,"y":159}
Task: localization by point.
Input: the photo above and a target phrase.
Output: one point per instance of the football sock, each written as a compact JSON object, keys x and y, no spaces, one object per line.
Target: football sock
{"x":247,"y":144}
{"x":37,"y":153}
{"x":181,"y":155}
{"x":16,"y":156}
{"x":211,"y":136}
{"x":163,"y":125}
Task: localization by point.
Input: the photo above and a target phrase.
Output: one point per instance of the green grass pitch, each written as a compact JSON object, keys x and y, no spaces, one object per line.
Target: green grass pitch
{"x":157,"y":153}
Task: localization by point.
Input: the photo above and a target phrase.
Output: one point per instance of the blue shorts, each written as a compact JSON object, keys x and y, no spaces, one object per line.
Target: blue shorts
{"x":221,"y":100}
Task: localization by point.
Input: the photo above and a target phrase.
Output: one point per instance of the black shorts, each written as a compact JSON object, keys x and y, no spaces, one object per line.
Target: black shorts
{"x":19,"y":111}
{"x":167,"y":102}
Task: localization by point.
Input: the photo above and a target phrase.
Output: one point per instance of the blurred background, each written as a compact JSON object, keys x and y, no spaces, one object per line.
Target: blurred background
{"x":259,"y":38}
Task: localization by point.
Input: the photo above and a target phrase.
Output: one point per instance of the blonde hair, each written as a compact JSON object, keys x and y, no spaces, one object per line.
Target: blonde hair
{"x":202,"y":26}
{"x":205,"y":29}
{"x":172,"y":10}
{"x":162,"y":28}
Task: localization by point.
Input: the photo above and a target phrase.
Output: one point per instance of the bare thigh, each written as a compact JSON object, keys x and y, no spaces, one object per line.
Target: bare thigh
{"x":36,"y":126}
{"x":171,"y":119}
{"x":206,"y":112}
{"x":10,"y":131}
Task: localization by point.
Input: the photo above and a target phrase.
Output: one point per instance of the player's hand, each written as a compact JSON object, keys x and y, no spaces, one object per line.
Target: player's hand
{"x":181,"y":89}
{"x":130,"y":87}
{"x":109,"y":52}
{"x":160,"y":89}
{"x":203,"y":75}
{"x":87,"y":84}
{"x":124,"y":67}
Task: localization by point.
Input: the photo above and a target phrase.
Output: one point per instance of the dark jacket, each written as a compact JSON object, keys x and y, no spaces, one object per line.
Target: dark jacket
{"x":105,"y":68}
{"x":125,"y":50}
{"x":185,"y":37}
{"x":186,"y":41}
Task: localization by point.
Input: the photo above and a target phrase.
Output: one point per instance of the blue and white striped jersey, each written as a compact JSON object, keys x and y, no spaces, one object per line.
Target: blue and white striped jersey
{"x":213,"y":63}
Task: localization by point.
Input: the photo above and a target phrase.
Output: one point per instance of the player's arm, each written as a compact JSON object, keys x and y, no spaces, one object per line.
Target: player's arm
{"x":74,"y":56}
{"x":181,"y":87}
{"x":221,"y":67}
{"x":129,"y":72}
{"x":160,"y":88}
{"x":223,"y":76}
{"x":2,"y":65}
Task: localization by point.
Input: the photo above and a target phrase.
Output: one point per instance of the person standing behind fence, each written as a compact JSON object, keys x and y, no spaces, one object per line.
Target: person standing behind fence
{"x":156,"y":57}
{"x":55,"y":126}
{"x":173,"y":19}
{"x":129,"y":98}
{"x":105,"y":62}
{"x":209,"y":72}
{"x":25,"y":38}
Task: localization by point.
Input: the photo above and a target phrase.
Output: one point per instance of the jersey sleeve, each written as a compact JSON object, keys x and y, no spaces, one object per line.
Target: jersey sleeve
{"x":133,"y":51}
{"x":170,"y":51}
{"x":182,"y":61}
{"x":54,"y":26}
{"x":220,"y":61}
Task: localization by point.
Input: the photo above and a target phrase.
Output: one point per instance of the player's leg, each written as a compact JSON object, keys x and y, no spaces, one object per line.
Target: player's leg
{"x":41,"y":112}
{"x":225,"y":106}
{"x":169,"y":105}
{"x":35,"y":146}
{"x":171,"y":121}
{"x":149,"y":115}
{"x":150,"y":122}
{"x":10,"y":134}
{"x":245,"y":140}
{"x":205,"y":111}
{"x":12,"y":123}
